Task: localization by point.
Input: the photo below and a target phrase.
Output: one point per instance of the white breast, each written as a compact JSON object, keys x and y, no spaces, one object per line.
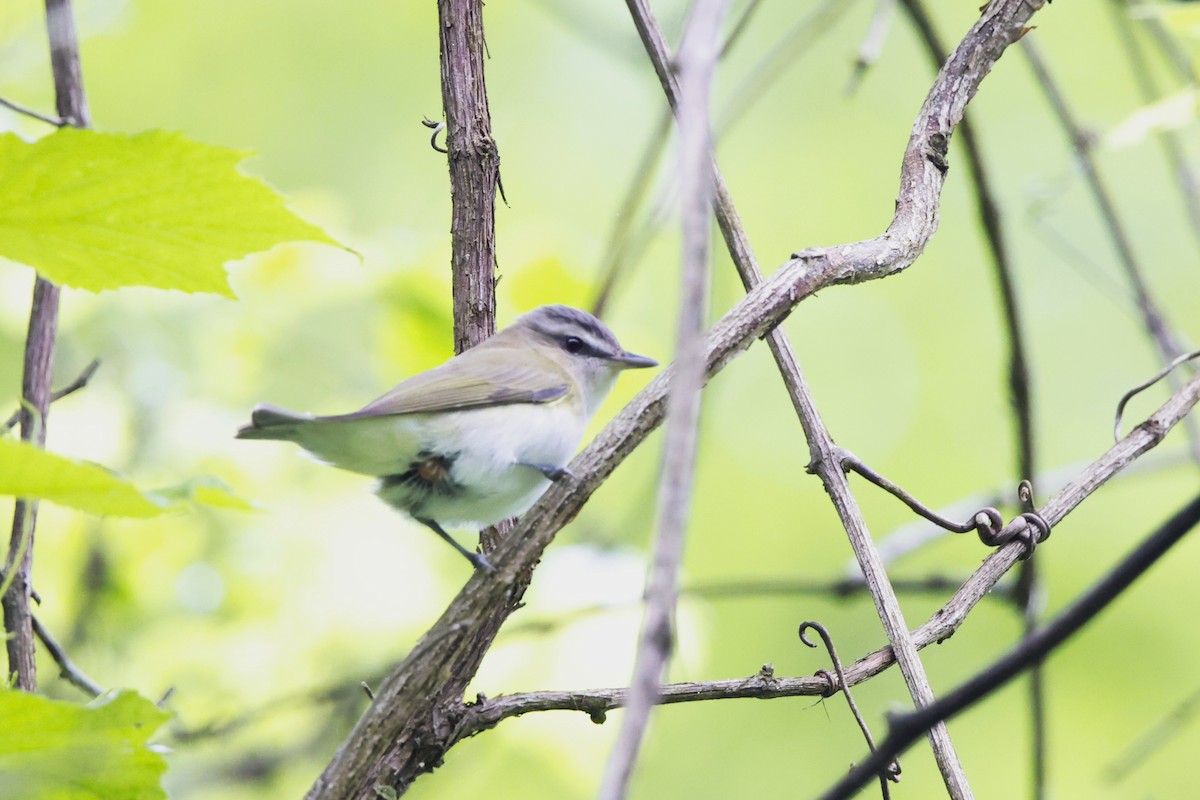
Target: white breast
{"x":490,"y":448}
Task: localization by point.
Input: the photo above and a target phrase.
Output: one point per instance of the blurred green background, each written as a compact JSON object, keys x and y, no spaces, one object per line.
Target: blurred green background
{"x":264,"y":623}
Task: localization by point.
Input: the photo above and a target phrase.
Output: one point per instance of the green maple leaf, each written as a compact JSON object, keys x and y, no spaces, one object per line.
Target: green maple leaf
{"x":103,"y":210}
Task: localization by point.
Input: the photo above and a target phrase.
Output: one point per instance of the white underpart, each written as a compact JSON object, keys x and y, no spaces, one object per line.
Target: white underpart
{"x":488,"y":448}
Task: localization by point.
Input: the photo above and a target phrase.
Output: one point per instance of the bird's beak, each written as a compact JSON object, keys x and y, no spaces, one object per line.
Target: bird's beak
{"x":634,"y":361}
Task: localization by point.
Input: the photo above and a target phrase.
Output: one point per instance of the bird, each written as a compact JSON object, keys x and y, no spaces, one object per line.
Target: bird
{"x":479,"y":438}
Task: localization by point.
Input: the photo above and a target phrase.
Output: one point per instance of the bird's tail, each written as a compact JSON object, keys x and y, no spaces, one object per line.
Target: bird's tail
{"x":272,"y":422}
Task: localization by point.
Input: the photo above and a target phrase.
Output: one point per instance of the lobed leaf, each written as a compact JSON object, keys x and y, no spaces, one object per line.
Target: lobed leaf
{"x":105,"y":210}
{"x":54,"y":750}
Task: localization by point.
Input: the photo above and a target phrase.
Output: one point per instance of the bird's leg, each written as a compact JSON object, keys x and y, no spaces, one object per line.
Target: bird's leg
{"x":549,"y":470}
{"x":475,"y":558}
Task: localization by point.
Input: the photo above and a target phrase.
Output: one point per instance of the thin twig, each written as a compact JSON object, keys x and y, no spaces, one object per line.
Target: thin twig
{"x":1139,"y":752}
{"x":1168,"y":140}
{"x":617,"y":251}
{"x":739,"y":27}
{"x":1032,"y":650}
{"x":1155,"y":324}
{"x":29,"y":112}
{"x":1175,"y":54}
{"x":74,"y":386}
{"x":872,"y":43}
{"x":623,"y":239}
{"x":821,"y":446}
{"x":66,"y":667}
{"x":937,"y":586}
{"x":856,"y":465}
{"x":775,"y":63}
{"x":436,"y":127}
{"x":695,"y":65}
{"x":344,"y":689}
{"x":596,"y":703}
{"x":631,"y":234}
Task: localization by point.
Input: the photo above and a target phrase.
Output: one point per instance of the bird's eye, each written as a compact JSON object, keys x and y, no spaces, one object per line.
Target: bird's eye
{"x":573,"y":344}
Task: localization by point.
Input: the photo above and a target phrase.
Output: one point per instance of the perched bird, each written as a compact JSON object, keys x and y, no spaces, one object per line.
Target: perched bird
{"x":479,"y":438}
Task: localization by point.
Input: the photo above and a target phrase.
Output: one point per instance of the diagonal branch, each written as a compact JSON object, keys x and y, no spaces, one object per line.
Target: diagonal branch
{"x":417,"y":709}
{"x":1019,"y":392}
{"x":941,"y":625}
{"x":822,"y":448}
{"x":1032,"y":650}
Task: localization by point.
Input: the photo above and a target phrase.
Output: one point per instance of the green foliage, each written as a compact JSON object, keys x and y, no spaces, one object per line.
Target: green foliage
{"x":101,"y":211}
{"x":28,"y":471}
{"x":254,"y":617}
{"x":52,"y":750}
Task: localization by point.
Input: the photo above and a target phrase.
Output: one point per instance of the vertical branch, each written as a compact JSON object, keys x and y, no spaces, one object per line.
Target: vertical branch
{"x":695,"y":64}
{"x":988,"y":209}
{"x":39,"y":353}
{"x":474,"y":177}
{"x":474,"y":171}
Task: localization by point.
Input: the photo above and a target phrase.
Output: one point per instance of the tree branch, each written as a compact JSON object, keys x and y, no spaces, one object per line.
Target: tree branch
{"x":490,"y":712}
{"x":946,"y":620}
{"x":29,"y":112}
{"x":67,"y":669}
{"x":80,"y":382}
{"x":941,"y":625}
{"x":695,"y":65}
{"x":39,"y":353}
{"x":1032,"y":650}
{"x":474,"y":171}
{"x":412,"y":721}
{"x":1019,"y":380}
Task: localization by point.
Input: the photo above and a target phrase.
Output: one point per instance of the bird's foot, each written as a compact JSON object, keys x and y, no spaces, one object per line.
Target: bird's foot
{"x":480,"y":562}
{"x":552,"y":472}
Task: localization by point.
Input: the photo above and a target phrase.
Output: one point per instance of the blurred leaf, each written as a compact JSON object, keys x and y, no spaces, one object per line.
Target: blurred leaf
{"x":1178,"y":17}
{"x":28,"y":471}
{"x":1170,"y":113}
{"x":205,"y":490}
{"x":52,"y":750}
{"x":101,"y":211}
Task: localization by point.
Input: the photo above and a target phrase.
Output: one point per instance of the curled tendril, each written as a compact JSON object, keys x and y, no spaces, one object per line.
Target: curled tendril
{"x":437,"y":127}
{"x":1025,"y":495}
{"x":989,"y":524}
{"x":1030,"y":528}
{"x":892,"y":771}
{"x":1036,"y":530}
{"x":1125,"y":398}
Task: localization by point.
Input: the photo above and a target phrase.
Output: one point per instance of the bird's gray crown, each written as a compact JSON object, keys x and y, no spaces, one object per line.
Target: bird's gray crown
{"x":557,"y":322}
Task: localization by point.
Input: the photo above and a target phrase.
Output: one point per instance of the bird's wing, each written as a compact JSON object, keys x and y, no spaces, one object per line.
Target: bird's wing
{"x":496,"y":378}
